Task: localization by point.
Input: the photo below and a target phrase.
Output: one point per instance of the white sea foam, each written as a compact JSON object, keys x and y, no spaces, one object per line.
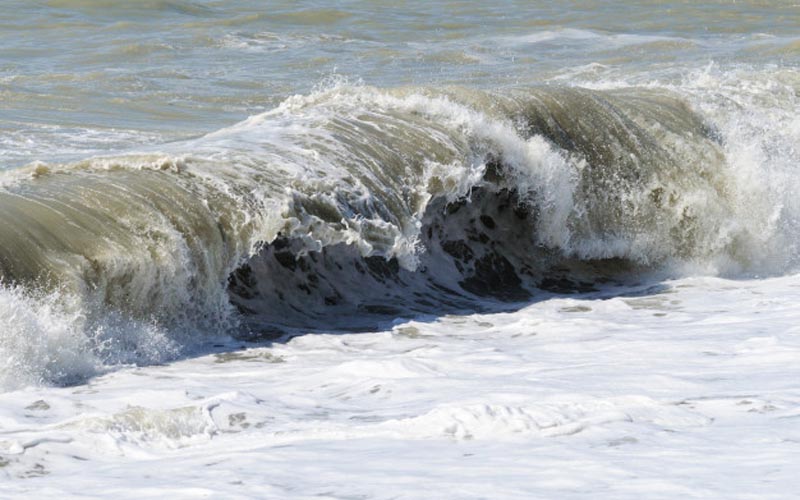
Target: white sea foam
{"x":53,"y":338}
{"x":688,"y":388}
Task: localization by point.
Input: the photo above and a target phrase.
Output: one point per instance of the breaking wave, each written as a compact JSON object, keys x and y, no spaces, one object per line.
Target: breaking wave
{"x":355,"y":203}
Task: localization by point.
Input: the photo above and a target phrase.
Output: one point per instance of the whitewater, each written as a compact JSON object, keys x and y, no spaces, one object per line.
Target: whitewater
{"x":361,"y":250}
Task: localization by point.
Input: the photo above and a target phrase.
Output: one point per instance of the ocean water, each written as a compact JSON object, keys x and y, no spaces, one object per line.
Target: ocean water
{"x":399,"y":249}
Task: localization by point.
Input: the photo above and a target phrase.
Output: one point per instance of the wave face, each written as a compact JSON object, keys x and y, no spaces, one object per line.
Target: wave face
{"x":356,"y":204}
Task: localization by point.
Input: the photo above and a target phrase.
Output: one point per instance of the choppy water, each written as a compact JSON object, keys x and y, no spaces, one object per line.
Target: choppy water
{"x":81,"y":77}
{"x":180,"y":178}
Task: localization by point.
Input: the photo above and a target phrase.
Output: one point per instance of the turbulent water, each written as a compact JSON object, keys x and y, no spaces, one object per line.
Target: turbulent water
{"x":179,"y":180}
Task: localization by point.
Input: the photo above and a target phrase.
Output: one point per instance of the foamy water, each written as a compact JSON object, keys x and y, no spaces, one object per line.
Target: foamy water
{"x":685,"y":389}
{"x":374,"y":251}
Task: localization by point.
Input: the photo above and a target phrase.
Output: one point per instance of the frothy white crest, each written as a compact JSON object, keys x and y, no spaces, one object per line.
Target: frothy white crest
{"x":754,"y":112}
{"x":539,"y":172}
{"x":758,"y":155}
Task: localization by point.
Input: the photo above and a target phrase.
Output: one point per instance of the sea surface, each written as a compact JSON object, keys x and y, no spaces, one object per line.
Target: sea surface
{"x":352,"y":249}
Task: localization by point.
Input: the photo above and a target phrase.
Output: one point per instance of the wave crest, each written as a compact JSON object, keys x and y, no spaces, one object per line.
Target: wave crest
{"x":356,"y":201}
